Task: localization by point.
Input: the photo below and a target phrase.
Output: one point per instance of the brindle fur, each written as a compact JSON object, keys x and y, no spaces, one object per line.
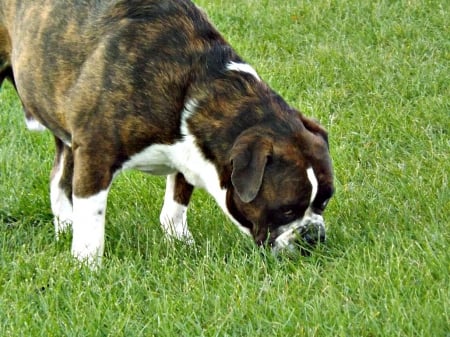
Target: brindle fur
{"x":112,"y":77}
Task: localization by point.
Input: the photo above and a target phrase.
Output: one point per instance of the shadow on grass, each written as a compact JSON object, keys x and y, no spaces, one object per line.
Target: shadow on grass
{"x":12,"y":220}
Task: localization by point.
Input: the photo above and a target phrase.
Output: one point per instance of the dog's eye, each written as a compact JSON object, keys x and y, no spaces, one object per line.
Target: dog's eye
{"x":283,"y":215}
{"x":288,"y":213}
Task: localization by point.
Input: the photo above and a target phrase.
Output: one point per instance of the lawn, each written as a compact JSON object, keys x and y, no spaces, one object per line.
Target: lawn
{"x":376,"y":75}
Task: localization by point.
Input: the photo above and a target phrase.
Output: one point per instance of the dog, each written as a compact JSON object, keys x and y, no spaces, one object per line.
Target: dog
{"x":152,"y":85}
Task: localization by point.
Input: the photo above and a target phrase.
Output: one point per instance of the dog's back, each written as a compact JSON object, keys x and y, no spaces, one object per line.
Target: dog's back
{"x":69,"y":56}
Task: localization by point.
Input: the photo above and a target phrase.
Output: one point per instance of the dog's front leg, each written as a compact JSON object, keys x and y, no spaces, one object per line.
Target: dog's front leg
{"x":91,"y":182}
{"x":89,"y":228}
{"x":173,"y":215}
{"x":61,"y":187}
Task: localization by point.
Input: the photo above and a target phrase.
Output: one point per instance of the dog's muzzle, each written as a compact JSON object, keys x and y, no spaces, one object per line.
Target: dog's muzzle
{"x":310,"y":230}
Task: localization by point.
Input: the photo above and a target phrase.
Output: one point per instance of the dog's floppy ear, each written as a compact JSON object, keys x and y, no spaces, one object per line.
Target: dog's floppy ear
{"x":249,"y":158}
{"x":314,"y":127}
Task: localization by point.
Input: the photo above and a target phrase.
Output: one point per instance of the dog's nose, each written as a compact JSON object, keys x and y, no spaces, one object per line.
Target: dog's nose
{"x":313,"y":232}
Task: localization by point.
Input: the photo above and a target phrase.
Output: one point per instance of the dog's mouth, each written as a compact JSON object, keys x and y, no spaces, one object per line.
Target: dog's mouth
{"x":310,"y":230}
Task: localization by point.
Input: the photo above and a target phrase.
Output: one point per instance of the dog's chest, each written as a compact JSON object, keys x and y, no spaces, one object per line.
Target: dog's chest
{"x":183,"y":156}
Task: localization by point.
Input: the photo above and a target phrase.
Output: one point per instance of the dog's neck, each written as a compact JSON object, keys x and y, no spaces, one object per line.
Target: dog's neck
{"x":229,"y":101}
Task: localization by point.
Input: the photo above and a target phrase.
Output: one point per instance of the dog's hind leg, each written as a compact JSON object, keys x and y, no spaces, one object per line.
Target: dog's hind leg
{"x":31,"y":122}
{"x":173,"y":215}
{"x":61,"y":187}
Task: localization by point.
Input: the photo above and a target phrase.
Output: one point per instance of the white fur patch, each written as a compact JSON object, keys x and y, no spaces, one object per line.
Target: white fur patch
{"x":290,"y":231}
{"x":89,"y":228}
{"x":314,"y":183}
{"x":153,"y":159}
{"x":243,"y":67}
{"x":173,"y":215}
{"x":34,"y":125}
{"x":185,"y":157}
{"x":60,"y":203}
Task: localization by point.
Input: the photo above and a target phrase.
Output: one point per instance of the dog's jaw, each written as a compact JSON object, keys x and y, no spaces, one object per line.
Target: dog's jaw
{"x":311,"y":229}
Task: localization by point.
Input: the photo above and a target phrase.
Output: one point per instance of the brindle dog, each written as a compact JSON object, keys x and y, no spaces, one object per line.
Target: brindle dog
{"x":152,"y":85}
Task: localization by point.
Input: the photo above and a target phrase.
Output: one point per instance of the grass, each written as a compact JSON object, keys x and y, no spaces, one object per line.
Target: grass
{"x":376,"y":75}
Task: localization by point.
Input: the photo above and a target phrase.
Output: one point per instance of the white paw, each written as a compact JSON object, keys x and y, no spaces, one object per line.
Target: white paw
{"x":62,"y":225}
{"x":178,"y":231}
{"x":88,"y":253}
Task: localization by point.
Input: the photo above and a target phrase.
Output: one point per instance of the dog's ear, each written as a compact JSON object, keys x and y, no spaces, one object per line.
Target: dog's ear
{"x":249,"y":158}
{"x":314,"y":127}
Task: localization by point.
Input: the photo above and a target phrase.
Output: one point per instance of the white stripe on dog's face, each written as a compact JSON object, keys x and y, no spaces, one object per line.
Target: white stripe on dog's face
{"x":314,"y":184}
{"x":243,"y":67}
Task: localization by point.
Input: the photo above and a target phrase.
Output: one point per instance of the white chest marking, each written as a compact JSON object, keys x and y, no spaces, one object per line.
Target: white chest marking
{"x":161,"y":159}
{"x":185,"y":157}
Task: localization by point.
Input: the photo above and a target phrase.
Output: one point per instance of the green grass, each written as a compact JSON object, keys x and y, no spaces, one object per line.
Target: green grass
{"x":376,"y":74}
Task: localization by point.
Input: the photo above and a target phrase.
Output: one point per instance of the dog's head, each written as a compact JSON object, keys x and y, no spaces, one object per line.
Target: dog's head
{"x":281,"y":182}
